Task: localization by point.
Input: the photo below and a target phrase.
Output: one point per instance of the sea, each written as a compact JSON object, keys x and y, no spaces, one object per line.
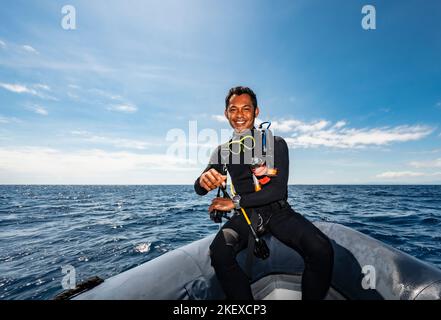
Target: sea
{"x":104,"y":230}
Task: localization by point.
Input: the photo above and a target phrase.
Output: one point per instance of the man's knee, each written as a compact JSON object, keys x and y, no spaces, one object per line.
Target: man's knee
{"x":320,"y":248}
{"x":223,"y":247}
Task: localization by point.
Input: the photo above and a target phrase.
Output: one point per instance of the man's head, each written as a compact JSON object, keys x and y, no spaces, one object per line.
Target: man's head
{"x":241,"y":108}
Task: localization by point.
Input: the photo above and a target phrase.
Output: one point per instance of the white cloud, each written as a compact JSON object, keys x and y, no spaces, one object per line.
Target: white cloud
{"x":405,"y":174}
{"x":105,"y":94}
{"x":219,"y":118}
{"x":323,"y":134}
{"x":438,"y":104}
{"x":399,"y":174}
{"x":30,"y":49}
{"x":296,"y":125}
{"x":339,"y":124}
{"x":46,"y":165}
{"x":38,"y":109}
{"x":126,"y":108}
{"x":18,"y":88}
{"x":116,"y":142}
{"x":427,"y":164}
{"x":285,"y":125}
{"x":42,"y":86}
{"x":2,"y":44}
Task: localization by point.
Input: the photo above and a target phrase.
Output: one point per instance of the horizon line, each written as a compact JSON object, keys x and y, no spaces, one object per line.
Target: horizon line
{"x":293,"y":184}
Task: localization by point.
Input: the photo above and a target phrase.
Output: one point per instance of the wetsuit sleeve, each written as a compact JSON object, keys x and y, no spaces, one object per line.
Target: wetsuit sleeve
{"x":278,"y":187}
{"x":212,"y":164}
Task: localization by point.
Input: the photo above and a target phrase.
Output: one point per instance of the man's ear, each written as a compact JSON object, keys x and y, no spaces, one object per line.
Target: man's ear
{"x":256,"y":112}
{"x":226,"y":114}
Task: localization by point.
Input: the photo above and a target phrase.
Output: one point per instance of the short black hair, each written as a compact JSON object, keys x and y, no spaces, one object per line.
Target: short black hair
{"x":238,"y":91}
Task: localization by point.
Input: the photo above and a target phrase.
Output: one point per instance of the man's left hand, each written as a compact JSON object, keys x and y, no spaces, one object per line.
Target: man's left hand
{"x":221,"y":204}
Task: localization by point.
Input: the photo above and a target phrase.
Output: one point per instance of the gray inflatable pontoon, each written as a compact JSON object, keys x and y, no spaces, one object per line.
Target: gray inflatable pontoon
{"x":364,"y":268}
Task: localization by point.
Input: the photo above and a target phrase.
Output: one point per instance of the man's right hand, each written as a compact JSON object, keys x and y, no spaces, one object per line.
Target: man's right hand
{"x":211,"y":180}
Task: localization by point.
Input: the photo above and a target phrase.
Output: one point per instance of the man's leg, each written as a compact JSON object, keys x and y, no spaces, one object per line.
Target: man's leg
{"x":297,"y":232}
{"x":232,"y":238}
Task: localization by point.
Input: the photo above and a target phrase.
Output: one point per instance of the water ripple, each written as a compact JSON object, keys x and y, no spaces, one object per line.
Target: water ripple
{"x":104,"y":230}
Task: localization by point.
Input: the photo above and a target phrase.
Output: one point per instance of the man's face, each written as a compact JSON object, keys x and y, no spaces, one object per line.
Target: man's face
{"x":240,"y":112}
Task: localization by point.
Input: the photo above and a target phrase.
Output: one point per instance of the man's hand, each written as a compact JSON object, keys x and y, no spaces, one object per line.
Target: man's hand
{"x":211,"y":180}
{"x":221,"y":204}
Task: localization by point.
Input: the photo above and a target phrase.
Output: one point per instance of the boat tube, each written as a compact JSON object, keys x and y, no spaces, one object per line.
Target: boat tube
{"x":364,"y":269}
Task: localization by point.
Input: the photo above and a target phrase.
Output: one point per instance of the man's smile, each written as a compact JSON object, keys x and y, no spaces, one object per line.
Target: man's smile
{"x":241,"y":112}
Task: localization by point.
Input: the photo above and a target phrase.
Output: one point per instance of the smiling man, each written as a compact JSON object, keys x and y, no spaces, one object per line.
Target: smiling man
{"x":267,"y":207}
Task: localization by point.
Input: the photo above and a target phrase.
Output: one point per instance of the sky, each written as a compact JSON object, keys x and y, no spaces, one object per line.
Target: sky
{"x":135,"y":93}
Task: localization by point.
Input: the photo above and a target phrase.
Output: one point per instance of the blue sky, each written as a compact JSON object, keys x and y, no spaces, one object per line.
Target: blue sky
{"x":94,"y":105}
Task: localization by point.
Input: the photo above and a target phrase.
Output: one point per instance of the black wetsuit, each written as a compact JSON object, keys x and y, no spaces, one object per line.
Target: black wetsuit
{"x":283,"y":222}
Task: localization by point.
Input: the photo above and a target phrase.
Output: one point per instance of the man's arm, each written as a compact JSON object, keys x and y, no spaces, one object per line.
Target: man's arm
{"x":209,"y":177}
{"x":277,"y":187}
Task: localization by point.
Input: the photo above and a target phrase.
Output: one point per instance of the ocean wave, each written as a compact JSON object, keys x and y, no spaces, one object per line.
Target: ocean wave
{"x":104,"y":230}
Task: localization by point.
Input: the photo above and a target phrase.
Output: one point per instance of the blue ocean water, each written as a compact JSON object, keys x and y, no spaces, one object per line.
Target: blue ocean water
{"x":104,"y":230}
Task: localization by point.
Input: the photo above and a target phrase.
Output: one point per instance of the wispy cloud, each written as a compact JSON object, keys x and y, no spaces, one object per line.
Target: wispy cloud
{"x":125,"y":108}
{"x":405,"y":174}
{"x":296,"y":125}
{"x":18,"y":88}
{"x":42,"y":86}
{"x":6,"y":120}
{"x":116,"y":142}
{"x":117,"y":102}
{"x":38,"y":109}
{"x":219,"y":118}
{"x":323,"y":133}
{"x":104,"y":94}
{"x":399,"y":174}
{"x":426,"y":164}
{"x":438,"y":104}
{"x":24,"y":89}
{"x":2,"y":44}
{"x":30,"y":49}
{"x":68,"y":61}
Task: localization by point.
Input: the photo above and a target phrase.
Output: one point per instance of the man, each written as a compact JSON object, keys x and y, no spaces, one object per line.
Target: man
{"x":269,"y":204}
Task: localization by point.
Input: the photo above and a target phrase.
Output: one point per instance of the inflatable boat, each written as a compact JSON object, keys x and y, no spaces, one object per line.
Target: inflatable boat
{"x":364,"y":269}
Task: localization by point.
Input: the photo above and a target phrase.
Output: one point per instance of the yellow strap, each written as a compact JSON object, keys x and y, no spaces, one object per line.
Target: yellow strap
{"x":242,"y":144}
{"x":246,"y":216}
